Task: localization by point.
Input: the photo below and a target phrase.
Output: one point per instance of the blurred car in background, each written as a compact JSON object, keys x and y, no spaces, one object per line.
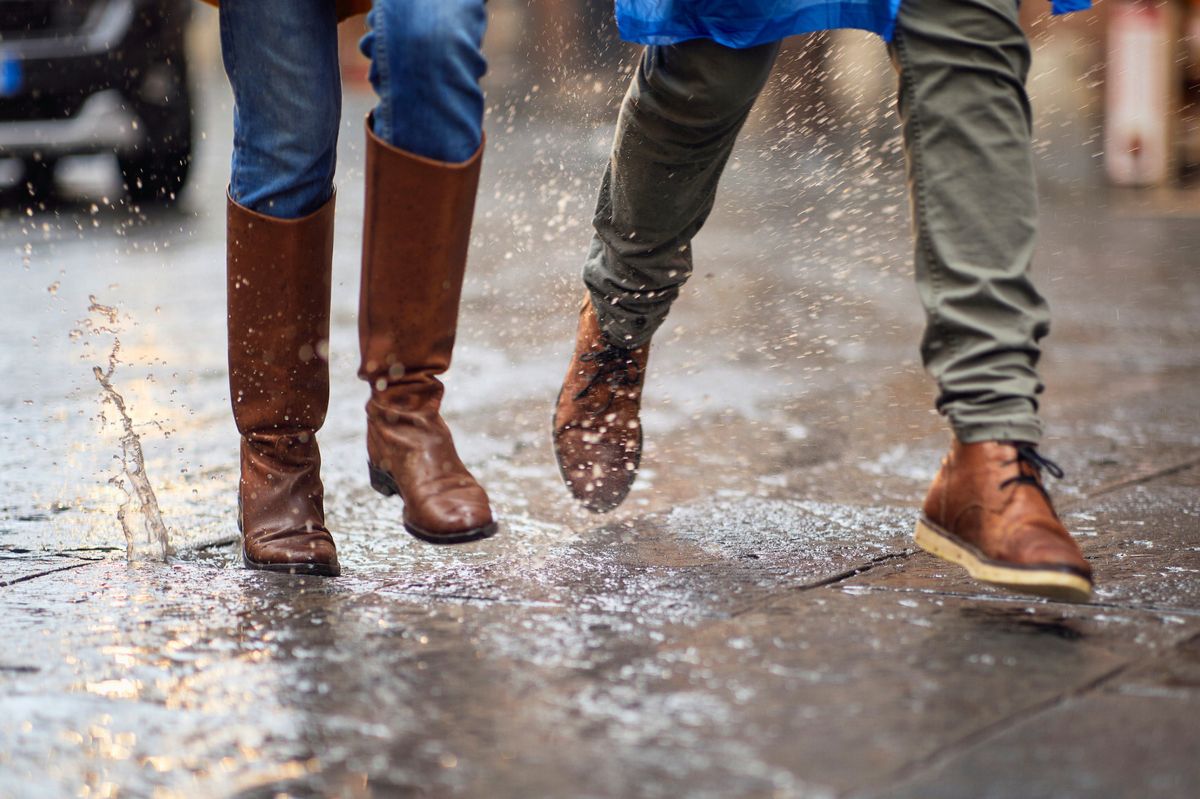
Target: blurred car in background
{"x":97,"y":76}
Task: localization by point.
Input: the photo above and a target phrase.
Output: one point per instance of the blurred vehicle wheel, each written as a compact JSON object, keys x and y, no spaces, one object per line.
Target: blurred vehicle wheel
{"x":38,"y":180}
{"x":158,"y":168}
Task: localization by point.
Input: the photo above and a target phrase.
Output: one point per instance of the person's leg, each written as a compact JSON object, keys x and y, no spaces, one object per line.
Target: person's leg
{"x":426,"y":65}
{"x":281,"y":57}
{"x":967,"y":130}
{"x":677,"y":127}
{"x":424,"y":148}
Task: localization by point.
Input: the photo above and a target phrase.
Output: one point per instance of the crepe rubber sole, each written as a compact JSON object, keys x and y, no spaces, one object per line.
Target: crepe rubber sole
{"x":383,"y":482}
{"x":1063,"y":585}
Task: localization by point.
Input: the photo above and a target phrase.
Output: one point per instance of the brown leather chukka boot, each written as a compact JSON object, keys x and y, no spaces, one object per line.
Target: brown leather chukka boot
{"x":597,"y":430}
{"x":988,"y":512}
{"x":278,"y":274}
{"x":416,"y":233}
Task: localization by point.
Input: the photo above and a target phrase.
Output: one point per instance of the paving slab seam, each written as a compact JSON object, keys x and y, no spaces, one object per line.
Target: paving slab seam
{"x":27,"y":577}
{"x":17,"y":668}
{"x":70,"y":552}
{"x":941,"y":756}
{"x":1039,"y":601}
{"x":46,"y":556}
{"x":1126,"y":482}
{"x":485,"y":600}
{"x":221,"y":541}
{"x":824,"y":582}
{"x":19,"y":553}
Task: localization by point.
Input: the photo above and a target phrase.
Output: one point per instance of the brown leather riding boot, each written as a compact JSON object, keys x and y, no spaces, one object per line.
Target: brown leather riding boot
{"x":988,"y":512}
{"x":416,"y":233}
{"x":278,"y":295}
{"x":597,"y":432}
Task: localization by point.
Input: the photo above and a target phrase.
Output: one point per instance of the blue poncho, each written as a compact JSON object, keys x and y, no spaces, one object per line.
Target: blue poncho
{"x":745,"y":23}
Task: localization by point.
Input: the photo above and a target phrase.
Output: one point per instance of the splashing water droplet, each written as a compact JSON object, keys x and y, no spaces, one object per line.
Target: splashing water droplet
{"x":155,"y":543}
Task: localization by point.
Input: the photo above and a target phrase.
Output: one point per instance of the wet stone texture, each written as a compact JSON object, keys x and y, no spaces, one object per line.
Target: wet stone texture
{"x":754,"y":622}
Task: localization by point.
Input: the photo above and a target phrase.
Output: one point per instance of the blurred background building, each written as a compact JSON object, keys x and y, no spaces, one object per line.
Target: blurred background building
{"x":1117,"y":89}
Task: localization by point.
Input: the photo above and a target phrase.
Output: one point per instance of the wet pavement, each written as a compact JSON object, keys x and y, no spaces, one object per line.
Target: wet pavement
{"x":754,"y":622}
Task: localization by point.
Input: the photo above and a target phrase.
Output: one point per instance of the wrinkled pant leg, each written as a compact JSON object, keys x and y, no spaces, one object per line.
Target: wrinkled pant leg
{"x":677,"y":127}
{"x":426,"y":65}
{"x":967,"y":131}
{"x":282,"y":61}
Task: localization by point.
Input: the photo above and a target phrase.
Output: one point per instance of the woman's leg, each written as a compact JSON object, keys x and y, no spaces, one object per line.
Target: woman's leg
{"x":426,"y":64}
{"x":281,"y":58}
{"x":424,"y":147}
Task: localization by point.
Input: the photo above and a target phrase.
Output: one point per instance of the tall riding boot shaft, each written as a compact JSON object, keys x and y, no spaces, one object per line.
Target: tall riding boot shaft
{"x":416,"y":234}
{"x":279,"y":274}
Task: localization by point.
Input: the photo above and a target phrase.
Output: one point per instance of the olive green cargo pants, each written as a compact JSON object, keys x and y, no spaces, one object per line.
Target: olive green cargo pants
{"x":962,"y":66}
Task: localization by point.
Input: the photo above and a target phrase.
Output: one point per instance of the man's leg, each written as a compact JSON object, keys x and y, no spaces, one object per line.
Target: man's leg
{"x":967,"y":132}
{"x":424,"y":149}
{"x":281,"y":57}
{"x":677,"y":127}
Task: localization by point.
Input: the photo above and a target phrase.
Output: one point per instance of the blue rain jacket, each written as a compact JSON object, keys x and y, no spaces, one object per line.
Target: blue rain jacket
{"x":745,"y":23}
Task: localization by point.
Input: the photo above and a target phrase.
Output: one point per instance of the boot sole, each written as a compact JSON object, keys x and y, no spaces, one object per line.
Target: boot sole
{"x":1063,"y":584}
{"x":298,"y":569}
{"x":302,"y":569}
{"x":383,"y":482}
{"x":594,"y":507}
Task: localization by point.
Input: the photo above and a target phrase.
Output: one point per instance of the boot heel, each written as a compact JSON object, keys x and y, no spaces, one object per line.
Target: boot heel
{"x":381,"y":481}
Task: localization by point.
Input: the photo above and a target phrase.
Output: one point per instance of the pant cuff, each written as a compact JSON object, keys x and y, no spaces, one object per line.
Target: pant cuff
{"x":624,"y":327}
{"x":1029,"y":432}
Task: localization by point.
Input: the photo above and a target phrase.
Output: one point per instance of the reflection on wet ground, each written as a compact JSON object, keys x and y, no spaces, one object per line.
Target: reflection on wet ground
{"x":754,"y":622}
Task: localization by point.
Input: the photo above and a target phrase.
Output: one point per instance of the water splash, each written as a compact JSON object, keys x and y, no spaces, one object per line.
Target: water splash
{"x":153,"y":540}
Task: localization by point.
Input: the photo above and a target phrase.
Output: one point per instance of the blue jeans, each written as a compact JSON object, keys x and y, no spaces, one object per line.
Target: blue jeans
{"x":282,"y":60}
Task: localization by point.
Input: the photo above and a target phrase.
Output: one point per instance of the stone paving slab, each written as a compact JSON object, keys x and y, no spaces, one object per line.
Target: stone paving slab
{"x":1132,"y":738}
{"x":811,"y":693}
{"x":916,"y":677}
{"x":703,"y":558}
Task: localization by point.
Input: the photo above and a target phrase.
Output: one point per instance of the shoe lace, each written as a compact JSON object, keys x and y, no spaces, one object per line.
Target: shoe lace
{"x":615,"y":367}
{"x":1029,"y":454}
